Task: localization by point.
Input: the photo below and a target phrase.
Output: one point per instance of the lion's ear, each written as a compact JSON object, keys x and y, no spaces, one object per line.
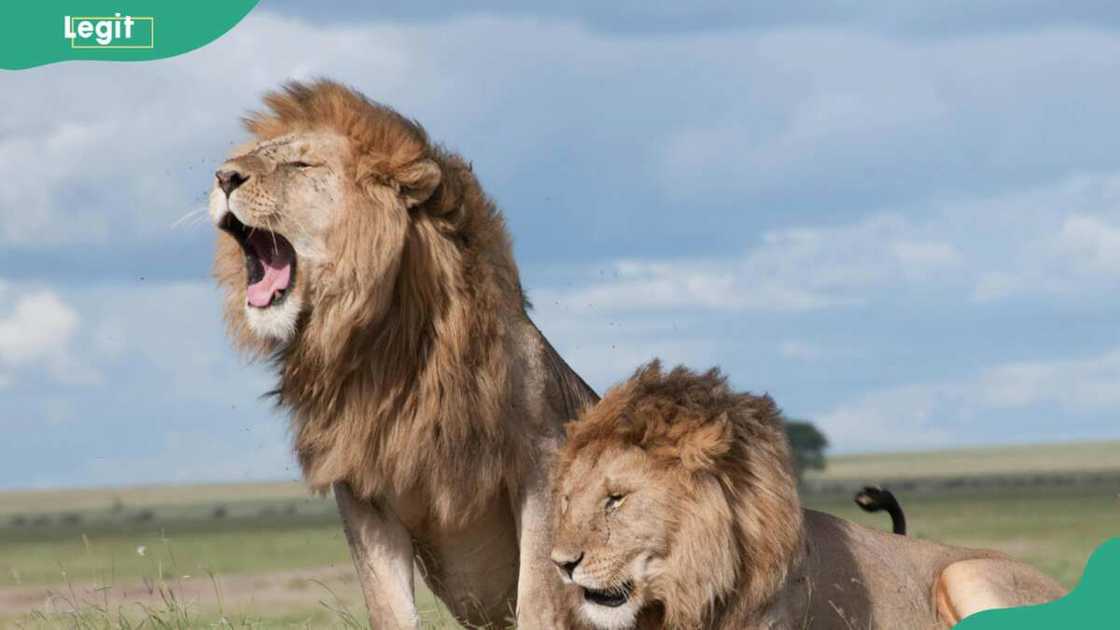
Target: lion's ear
{"x":418,"y":181}
{"x":703,"y":447}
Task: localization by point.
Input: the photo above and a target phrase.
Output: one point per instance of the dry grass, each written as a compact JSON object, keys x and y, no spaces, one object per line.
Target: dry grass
{"x":91,"y":499}
{"x":262,"y":566}
{"x":1028,"y":459}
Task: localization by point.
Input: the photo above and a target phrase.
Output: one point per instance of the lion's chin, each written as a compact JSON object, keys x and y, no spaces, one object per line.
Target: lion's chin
{"x":277,"y":322}
{"x":621,"y":617}
{"x":612,"y":608}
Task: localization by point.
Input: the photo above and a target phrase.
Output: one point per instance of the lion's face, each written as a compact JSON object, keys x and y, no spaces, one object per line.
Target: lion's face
{"x":276,"y":201}
{"x":673,"y":496}
{"x":619,"y":518}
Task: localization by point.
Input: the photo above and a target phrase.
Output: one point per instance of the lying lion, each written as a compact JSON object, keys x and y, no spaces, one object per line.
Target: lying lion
{"x":676,"y":507}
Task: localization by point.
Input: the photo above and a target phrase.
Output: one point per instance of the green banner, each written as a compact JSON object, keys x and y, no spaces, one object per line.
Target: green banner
{"x":1092,"y":605}
{"x":45,"y":32}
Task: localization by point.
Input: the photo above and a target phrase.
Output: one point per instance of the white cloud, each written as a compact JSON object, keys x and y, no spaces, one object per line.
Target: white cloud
{"x":164,"y":134}
{"x":604,"y":350}
{"x":954,"y":412}
{"x":260,"y":452}
{"x":39,"y":331}
{"x":814,"y":108}
{"x":828,"y":121}
{"x":174,"y":331}
{"x":796,"y":269}
{"x":179,"y":407}
{"x":899,"y":417}
{"x":1090,"y":383}
{"x":1060,"y":240}
{"x":40,"y":325}
{"x":849,"y":110}
{"x":811,"y":101}
{"x":1091,"y":243}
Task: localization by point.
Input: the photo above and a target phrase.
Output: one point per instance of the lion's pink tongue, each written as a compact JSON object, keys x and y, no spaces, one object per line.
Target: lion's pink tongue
{"x":274,"y":281}
{"x":275,"y":255}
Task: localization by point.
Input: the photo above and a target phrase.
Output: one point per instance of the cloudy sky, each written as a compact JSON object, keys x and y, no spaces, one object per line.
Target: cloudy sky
{"x":905,"y":226}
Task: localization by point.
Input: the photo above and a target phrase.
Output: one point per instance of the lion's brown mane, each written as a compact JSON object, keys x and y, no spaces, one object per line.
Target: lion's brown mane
{"x":695,"y":423}
{"x":396,"y":380}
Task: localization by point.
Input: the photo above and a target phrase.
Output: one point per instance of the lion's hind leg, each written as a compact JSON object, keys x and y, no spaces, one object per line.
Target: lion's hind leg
{"x":967,"y":587}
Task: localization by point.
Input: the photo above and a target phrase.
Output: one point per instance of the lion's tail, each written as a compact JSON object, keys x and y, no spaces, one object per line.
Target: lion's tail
{"x":875,"y":499}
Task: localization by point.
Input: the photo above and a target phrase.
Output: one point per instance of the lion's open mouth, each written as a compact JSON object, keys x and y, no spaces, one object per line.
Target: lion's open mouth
{"x":270,"y":262}
{"x":611,"y":598}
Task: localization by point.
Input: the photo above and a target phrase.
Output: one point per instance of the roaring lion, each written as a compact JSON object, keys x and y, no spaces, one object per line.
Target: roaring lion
{"x":676,"y":507}
{"x":370,"y":268}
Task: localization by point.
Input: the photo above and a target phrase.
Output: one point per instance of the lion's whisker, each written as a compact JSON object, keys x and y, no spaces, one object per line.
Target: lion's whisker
{"x":192,"y":214}
{"x":272,"y":232}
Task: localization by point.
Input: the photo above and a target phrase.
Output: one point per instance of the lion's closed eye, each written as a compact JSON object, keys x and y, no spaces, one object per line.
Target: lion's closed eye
{"x":300,"y":164}
{"x":614,"y":501}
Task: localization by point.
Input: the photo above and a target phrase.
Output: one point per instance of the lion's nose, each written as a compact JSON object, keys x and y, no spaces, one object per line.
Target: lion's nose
{"x":567,"y":562}
{"x":229,"y":179}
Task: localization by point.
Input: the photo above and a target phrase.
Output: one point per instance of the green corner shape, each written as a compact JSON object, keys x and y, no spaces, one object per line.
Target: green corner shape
{"x":50,"y":31}
{"x":1093,"y":605}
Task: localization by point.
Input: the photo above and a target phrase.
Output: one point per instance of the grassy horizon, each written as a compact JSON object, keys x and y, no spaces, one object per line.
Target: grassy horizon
{"x":1060,"y":457}
{"x":1072,"y":457}
{"x":276,"y":557}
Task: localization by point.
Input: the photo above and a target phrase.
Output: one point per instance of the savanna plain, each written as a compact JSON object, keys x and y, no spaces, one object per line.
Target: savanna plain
{"x":271,"y":556}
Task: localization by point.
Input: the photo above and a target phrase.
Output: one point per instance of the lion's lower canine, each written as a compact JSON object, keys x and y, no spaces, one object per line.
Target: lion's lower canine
{"x":677,"y":508}
{"x":372,"y":270}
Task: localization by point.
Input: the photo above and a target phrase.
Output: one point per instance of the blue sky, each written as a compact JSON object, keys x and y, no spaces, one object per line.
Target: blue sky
{"x":905,"y":225}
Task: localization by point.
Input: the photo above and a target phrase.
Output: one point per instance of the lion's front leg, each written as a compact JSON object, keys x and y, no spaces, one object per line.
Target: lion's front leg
{"x":382,"y":553}
{"x":539,"y":590}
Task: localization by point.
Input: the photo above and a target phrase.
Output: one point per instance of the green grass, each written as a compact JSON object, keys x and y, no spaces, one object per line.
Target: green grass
{"x":170,"y":612}
{"x":174,"y":549}
{"x":300,"y":563}
{"x":279,"y":559}
{"x":1055,"y":529}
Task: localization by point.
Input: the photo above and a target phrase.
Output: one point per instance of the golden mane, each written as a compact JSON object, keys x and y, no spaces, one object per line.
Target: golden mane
{"x":397,"y":375}
{"x":696,"y":424}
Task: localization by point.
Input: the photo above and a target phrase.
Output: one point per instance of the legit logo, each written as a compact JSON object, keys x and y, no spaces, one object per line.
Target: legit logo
{"x":116,"y":31}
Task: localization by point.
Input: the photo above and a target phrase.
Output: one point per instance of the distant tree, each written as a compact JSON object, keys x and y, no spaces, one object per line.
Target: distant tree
{"x":144,"y":516}
{"x":808,"y":445}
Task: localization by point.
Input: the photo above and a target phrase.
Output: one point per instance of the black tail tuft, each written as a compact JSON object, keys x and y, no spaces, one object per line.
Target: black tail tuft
{"x":875,"y":499}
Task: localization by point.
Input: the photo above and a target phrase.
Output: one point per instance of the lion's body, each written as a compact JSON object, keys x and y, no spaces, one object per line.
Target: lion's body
{"x":677,"y":507}
{"x":858,"y":577}
{"x":418,"y":387}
